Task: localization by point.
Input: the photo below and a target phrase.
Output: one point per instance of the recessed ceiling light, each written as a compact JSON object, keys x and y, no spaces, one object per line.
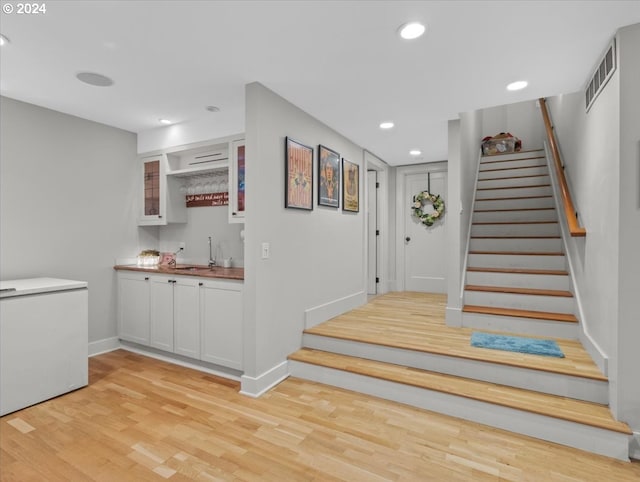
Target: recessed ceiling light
{"x":411,"y":30}
{"x":212,"y":108}
{"x":164,"y":121}
{"x":520,"y":84}
{"x":415,"y":152}
{"x":386,"y":125}
{"x":92,"y":78}
{"x":3,"y":40}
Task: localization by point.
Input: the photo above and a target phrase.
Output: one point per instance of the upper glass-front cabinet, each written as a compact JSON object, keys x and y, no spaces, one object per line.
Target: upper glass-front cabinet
{"x":236,"y":182}
{"x":160,"y":202}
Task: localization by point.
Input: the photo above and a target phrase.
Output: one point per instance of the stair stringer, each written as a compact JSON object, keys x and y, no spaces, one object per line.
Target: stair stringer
{"x":592,"y":439}
{"x":593,"y":348}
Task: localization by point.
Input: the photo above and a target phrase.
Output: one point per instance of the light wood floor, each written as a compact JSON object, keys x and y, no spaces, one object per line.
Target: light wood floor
{"x":142,"y":419}
{"x":417,"y":321}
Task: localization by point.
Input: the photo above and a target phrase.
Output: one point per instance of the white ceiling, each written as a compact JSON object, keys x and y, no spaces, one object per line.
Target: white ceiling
{"x":340,"y":61}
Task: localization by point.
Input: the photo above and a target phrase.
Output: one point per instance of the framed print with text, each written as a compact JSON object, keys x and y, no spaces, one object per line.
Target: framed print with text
{"x":298,"y":175}
{"x":329,"y":177}
{"x":350,"y":186}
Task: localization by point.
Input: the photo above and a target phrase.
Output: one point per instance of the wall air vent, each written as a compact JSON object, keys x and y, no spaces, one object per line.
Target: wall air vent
{"x":601,"y":76}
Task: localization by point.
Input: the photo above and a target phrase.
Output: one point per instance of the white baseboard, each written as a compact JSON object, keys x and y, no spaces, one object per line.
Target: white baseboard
{"x":594,"y":351}
{"x":321,"y":313}
{"x":103,"y":346}
{"x":634,"y":446}
{"x":256,"y":386}
{"x":453,"y":317}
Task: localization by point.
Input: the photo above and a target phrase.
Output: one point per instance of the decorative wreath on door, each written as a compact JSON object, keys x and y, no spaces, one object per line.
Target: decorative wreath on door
{"x":423,"y":198}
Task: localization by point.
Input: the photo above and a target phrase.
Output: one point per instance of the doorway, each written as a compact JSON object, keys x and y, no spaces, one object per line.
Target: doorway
{"x":372,"y":230}
{"x":421,"y":250}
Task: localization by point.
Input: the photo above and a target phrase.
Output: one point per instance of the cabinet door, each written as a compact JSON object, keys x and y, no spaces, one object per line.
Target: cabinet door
{"x":186,"y":317}
{"x":221,"y":318}
{"x":236,"y":182}
{"x":153,"y":191}
{"x":161,"y":332}
{"x":133,"y":307}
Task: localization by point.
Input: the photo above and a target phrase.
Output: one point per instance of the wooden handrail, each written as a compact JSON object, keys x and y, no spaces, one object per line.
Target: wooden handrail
{"x":569,"y":210}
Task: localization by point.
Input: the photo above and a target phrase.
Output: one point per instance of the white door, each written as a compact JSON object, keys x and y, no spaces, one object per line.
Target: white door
{"x":425,"y":249}
{"x":372,"y":237}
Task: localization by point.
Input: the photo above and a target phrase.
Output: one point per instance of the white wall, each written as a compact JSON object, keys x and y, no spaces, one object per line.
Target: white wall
{"x":628,"y":339}
{"x":67,"y":203}
{"x":317,"y":257}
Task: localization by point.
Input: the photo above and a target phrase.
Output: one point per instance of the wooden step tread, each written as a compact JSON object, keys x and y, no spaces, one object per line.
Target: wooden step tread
{"x":512,"y":187}
{"x":519,"y":291}
{"x":513,"y":153}
{"x":502,"y":223}
{"x":512,"y":168}
{"x":520,"y":271}
{"x":536,"y":315}
{"x":513,"y":198}
{"x":563,"y":408}
{"x":512,"y":177}
{"x":511,"y":210}
{"x":520,"y":253}
{"x":512,"y":160}
{"x":515,"y":237}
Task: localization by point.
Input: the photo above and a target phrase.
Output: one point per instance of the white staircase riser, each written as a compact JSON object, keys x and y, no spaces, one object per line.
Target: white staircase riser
{"x":515,"y":181}
{"x":523,"y":326}
{"x":526,"y":203}
{"x":555,"y":304}
{"x":507,"y":216}
{"x":519,"y":280}
{"x":517,"y":261}
{"x":514,"y":192}
{"x":543,"y":245}
{"x":507,"y":164}
{"x":573,"y":434}
{"x":500,"y":172}
{"x":538,"y":380}
{"x":515,"y":155}
{"x":541,"y":229}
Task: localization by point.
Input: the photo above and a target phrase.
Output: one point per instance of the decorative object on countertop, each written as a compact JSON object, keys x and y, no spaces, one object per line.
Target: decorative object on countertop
{"x":298,"y":175}
{"x":168,"y":259}
{"x":350,"y":186}
{"x":148,"y":257}
{"x":424,"y":198}
{"x":502,"y":143}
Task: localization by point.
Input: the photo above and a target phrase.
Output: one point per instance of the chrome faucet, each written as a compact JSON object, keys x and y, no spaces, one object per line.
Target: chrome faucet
{"x":212,"y":260}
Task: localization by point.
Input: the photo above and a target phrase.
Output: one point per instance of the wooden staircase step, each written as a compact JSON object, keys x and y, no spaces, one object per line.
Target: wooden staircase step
{"x":512,"y":187}
{"x":511,"y":160}
{"x":520,"y":271}
{"x":502,"y":223}
{"x":520,"y":291}
{"x":511,"y":210}
{"x":520,"y":253}
{"x":512,"y":168}
{"x":511,"y":198}
{"x":515,"y":237}
{"x":536,"y":315}
{"x":512,"y":177}
{"x":554,"y":406}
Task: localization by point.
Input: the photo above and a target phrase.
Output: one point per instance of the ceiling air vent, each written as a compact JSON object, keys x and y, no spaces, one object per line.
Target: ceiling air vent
{"x":601,"y":76}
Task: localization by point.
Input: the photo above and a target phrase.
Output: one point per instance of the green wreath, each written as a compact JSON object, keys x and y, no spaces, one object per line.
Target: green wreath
{"x":420,"y":199}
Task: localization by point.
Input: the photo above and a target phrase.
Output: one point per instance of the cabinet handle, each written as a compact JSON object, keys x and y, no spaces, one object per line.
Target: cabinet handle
{"x":201,"y":284}
{"x":146,"y":278}
{"x":234,"y":214}
{"x":159,"y":215}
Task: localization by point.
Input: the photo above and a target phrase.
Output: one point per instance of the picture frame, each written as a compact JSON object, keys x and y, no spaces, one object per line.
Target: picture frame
{"x":350,"y":186}
{"x":298,"y":181}
{"x":328,"y":177}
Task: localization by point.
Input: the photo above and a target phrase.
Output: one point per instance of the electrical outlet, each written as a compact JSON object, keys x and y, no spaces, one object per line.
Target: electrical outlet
{"x":266,"y":250}
{"x":182,"y":245}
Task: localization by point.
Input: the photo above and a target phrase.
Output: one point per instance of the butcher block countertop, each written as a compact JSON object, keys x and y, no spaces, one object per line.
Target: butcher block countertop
{"x":188,"y":270}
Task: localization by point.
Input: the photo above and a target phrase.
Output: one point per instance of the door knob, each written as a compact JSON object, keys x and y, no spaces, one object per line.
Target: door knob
{"x":407,"y":239}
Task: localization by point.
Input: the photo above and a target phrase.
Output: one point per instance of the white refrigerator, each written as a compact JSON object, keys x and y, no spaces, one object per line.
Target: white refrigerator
{"x":43,"y":340}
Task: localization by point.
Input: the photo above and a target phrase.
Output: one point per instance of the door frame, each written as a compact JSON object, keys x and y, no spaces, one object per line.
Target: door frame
{"x":402,"y":210}
{"x":374,"y":163}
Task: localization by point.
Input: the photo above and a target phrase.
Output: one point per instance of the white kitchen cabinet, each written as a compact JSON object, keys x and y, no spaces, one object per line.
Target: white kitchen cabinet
{"x":161,"y":306}
{"x":236,"y":182}
{"x":161,"y":201}
{"x":133,"y":306}
{"x":186,"y":317}
{"x":221,"y":318}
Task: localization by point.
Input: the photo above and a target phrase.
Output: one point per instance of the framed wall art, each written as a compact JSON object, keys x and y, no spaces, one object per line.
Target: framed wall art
{"x":329,"y":177}
{"x":298,"y":175}
{"x":350,"y":186}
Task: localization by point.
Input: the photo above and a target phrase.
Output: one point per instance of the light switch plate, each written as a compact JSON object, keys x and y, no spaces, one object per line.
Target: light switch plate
{"x":266,"y":250}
